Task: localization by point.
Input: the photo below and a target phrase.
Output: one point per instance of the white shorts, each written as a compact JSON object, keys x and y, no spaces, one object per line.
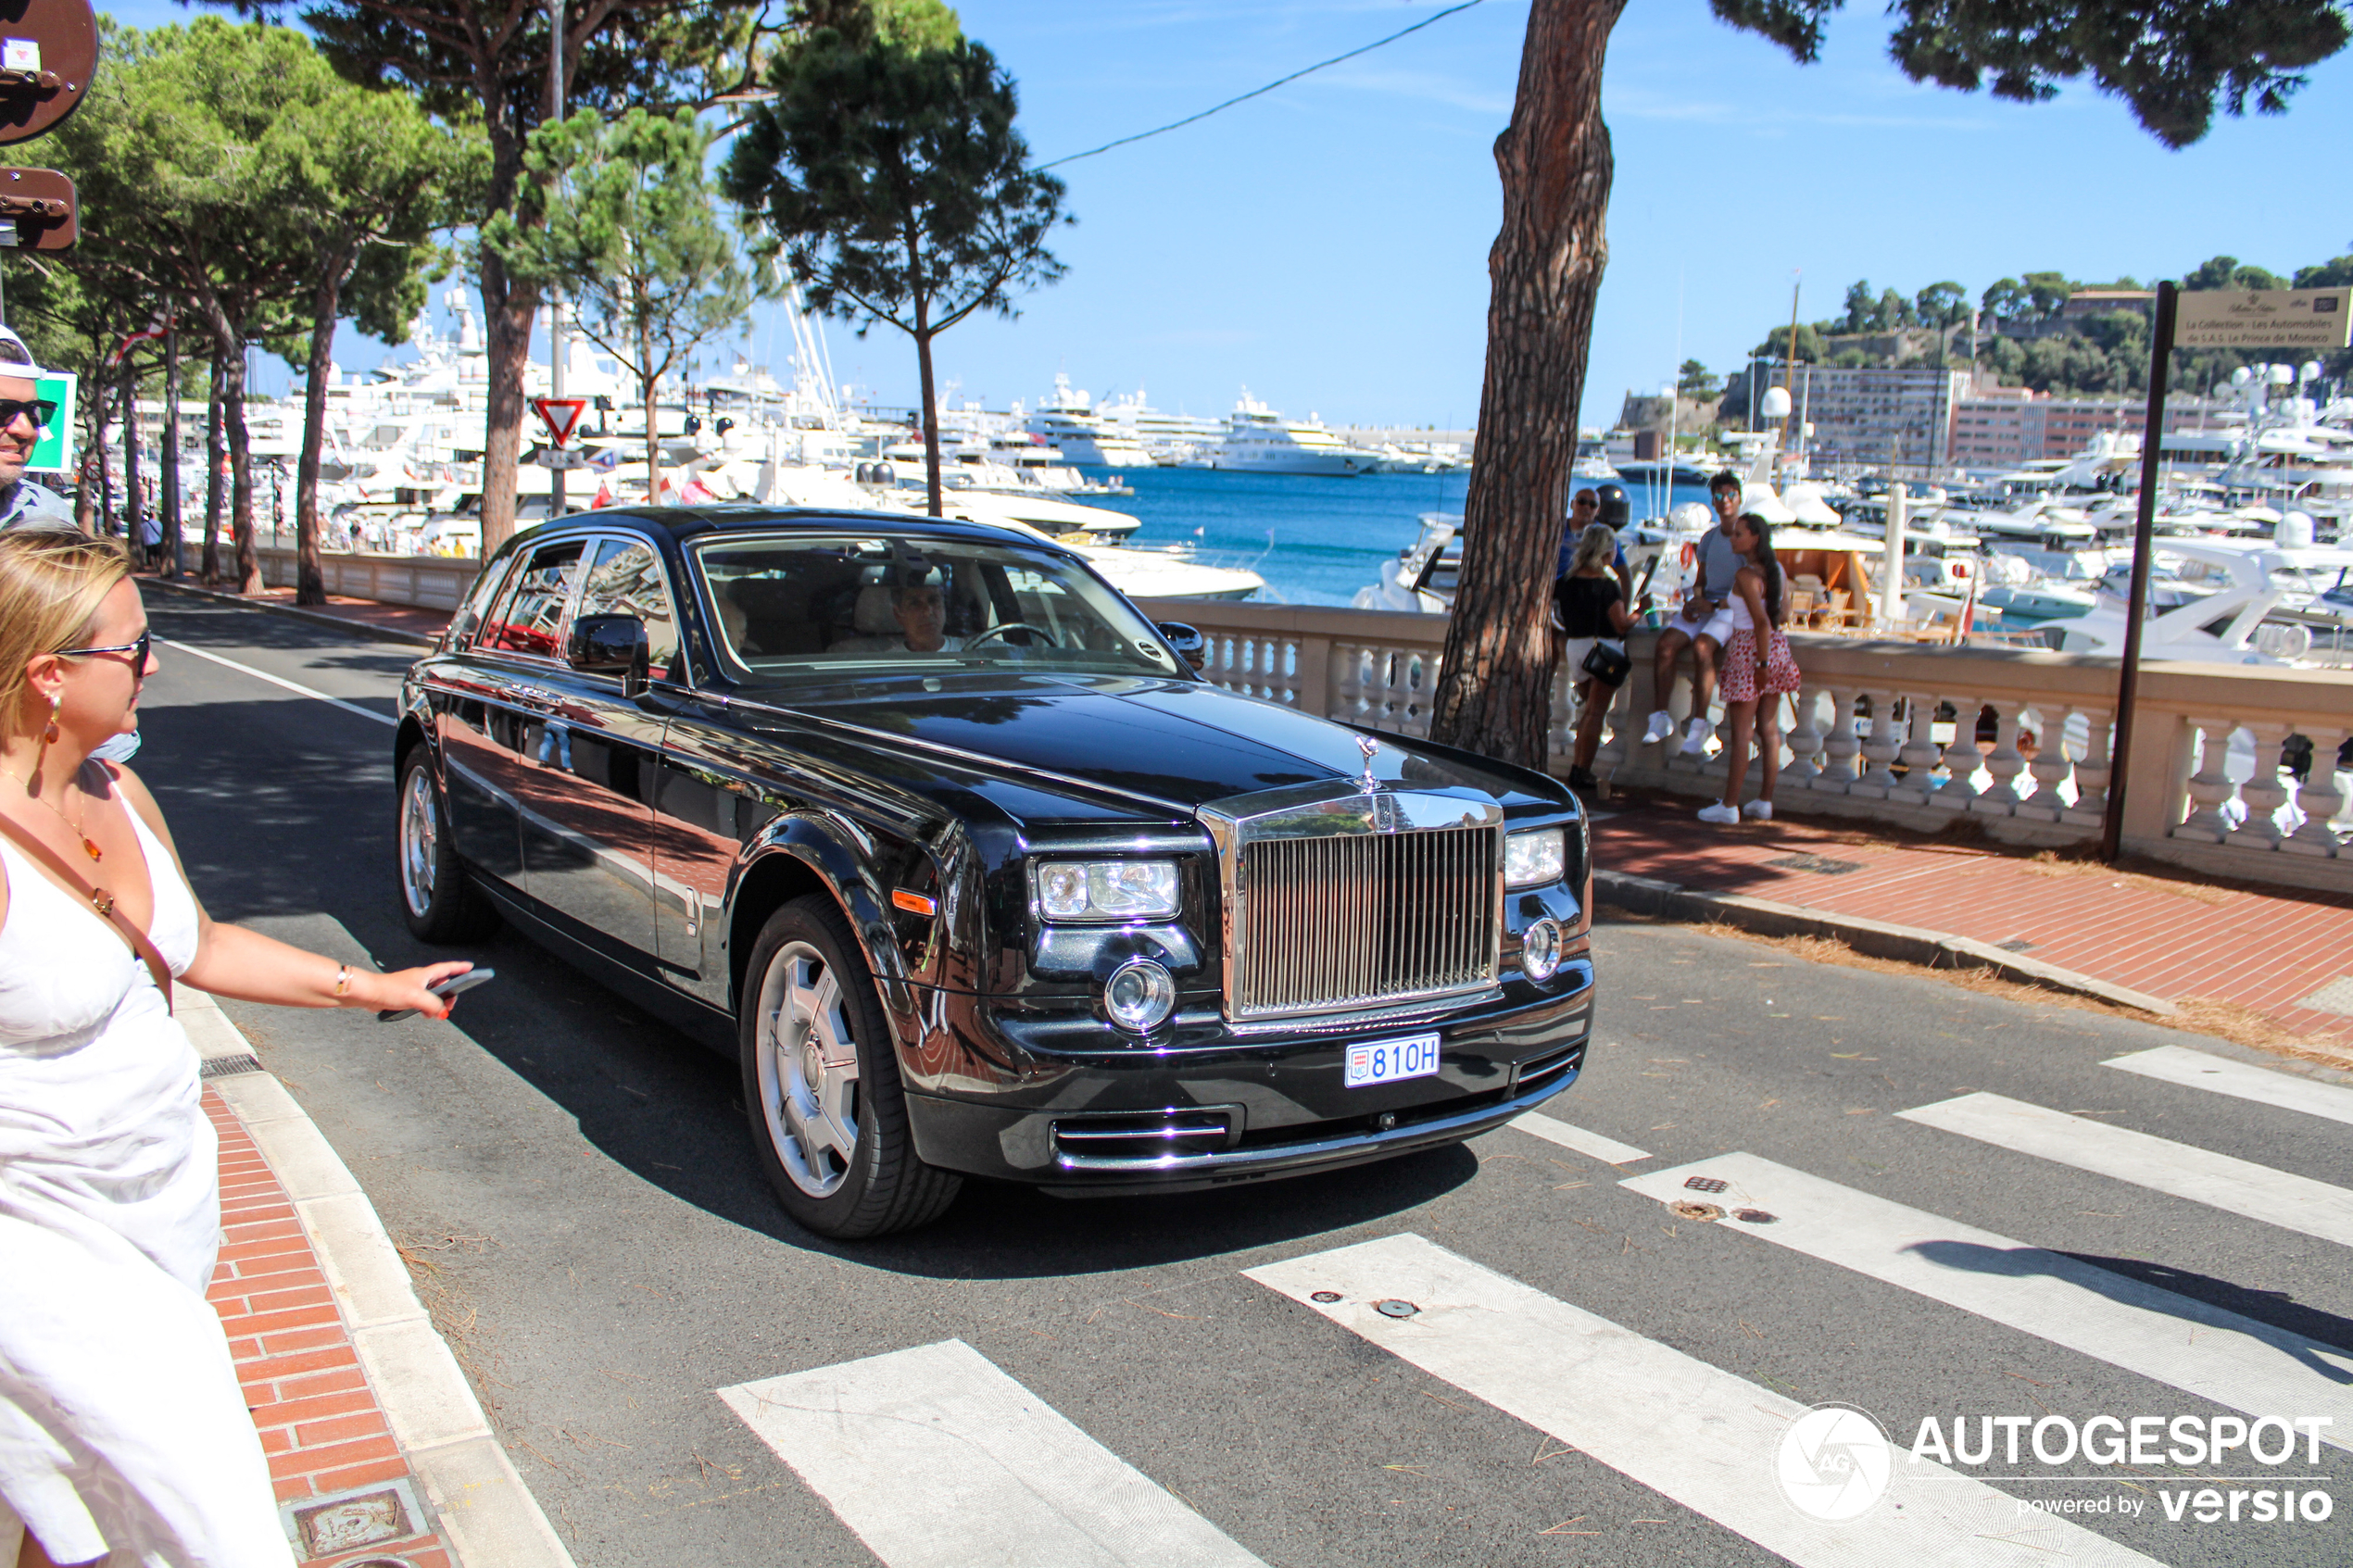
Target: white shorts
{"x":1718,"y":626}
{"x":1573,"y":661}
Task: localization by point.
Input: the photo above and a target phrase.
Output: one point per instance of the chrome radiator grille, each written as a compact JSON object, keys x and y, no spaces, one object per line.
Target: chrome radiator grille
{"x":1359,"y":920}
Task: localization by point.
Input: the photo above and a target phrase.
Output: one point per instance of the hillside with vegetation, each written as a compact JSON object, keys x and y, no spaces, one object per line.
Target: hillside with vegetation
{"x":2023,"y":334}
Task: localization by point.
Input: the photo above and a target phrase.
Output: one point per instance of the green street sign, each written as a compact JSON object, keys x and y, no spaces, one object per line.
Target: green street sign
{"x":54,"y":452}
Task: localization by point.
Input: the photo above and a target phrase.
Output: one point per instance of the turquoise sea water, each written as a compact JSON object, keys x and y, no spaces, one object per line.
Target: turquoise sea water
{"x":1316,"y":540}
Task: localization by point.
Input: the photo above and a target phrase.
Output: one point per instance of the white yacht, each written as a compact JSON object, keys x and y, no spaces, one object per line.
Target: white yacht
{"x":1067,"y":419}
{"x":1167,"y":439}
{"x":1259,"y":440}
{"x":2245,"y":581}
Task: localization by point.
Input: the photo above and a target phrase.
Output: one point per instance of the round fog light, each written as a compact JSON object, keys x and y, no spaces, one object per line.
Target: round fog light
{"x":1540,"y":950}
{"x":1140,"y":995}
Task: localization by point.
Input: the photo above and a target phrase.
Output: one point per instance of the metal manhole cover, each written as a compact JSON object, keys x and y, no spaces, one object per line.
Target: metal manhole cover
{"x":2334,"y":997}
{"x":1820,"y":865}
{"x":2015,"y":945}
{"x":1705,"y":1184}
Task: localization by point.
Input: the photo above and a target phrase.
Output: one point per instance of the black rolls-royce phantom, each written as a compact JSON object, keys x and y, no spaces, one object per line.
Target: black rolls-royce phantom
{"x":950,"y":846}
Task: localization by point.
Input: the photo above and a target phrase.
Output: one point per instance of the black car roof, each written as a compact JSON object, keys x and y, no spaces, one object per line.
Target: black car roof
{"x":682,"y":523}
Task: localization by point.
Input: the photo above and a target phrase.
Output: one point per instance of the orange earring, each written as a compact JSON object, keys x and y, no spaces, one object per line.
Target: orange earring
{"x":56,"y":701}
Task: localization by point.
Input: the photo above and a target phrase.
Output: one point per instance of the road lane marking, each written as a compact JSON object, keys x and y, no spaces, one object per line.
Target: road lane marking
{"x":2202,"y":1349}
{"x":936,"y":1458}
{"x":2219,"y":1181}
{"x":2179,"y":1064}
{"x":1701,"y":1436}
{"x":294,"y":687}
{"x":1608,"y":1150}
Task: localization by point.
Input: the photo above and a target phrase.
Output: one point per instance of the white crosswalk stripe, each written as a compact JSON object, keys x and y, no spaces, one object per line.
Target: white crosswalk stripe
{"x":1702,"y":1437}
{"x":2199,"y":1070}
{"x":2218,"y":1355}
{"x":1553,"y":1130}
{"x":936,"y":1458}
{"x":2221,"y":1181}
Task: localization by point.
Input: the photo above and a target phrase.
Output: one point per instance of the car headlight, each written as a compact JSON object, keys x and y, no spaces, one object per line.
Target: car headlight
{"x":1140,"y":995}
{"x":1534,"y":858}
{"x":1540,"y":950}
{"x":1107,"y":889}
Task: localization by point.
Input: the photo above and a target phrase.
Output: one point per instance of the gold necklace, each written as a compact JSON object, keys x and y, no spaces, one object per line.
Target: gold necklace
{"x":88,"y":844}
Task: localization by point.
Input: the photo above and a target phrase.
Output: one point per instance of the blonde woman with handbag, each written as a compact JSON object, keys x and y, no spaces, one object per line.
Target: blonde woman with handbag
{"x":123,"y":1438}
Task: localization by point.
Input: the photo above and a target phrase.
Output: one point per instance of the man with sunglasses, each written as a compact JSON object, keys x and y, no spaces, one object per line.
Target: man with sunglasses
{"x":24,"y":414}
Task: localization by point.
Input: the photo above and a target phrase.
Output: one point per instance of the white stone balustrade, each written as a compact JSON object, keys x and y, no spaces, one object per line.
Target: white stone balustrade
{"x":2207,"y":789}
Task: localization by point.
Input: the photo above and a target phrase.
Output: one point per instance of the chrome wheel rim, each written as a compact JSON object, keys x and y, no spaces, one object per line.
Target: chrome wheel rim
{"x":420,"y":842}
{"x":807,"y":1061}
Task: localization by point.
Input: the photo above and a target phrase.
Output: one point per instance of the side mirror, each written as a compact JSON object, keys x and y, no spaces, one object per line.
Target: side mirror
{"x":1186,"y":640}
{"x":609,"y":645}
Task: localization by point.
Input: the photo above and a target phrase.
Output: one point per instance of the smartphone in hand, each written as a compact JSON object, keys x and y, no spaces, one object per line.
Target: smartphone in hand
{"x":445,"y":990}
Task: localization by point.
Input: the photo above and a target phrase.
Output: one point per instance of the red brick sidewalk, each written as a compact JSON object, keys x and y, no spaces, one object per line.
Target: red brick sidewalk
{"x":332,"y":1452}
{"x":2153,"y":930}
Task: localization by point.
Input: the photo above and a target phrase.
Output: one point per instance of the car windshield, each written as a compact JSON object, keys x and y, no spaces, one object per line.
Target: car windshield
{"x":789,"y":605}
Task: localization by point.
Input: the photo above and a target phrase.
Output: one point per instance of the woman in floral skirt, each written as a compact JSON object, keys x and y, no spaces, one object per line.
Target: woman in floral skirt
{"x":1758,"y":671}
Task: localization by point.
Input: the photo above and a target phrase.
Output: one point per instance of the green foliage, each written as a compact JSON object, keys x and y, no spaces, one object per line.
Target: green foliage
{"x":1696,"y":380}
{"x":1941,"y":305}
{"x":1776,"y":345}
{"x":892,"y":182}
{"x":620,"y":219}
{"x":2336,"y":273}
{"x":2176,"y":64}
{"x":2229,"y":273}
{"x":1861,"y":308}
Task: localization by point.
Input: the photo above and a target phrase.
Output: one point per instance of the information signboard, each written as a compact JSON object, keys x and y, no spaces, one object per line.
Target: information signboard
{"x":2264,"y":318}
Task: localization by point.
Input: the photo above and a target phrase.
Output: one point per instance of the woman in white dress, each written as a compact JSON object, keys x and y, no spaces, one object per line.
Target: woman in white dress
{"x":123,"y":1438}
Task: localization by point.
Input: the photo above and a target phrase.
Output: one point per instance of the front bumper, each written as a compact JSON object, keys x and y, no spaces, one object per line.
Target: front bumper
{"x":1178,"y":1122}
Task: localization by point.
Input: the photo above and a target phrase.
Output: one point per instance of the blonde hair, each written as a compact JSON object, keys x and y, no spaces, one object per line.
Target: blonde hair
{"x":52,"y":581}
{"x":1596,"y":546}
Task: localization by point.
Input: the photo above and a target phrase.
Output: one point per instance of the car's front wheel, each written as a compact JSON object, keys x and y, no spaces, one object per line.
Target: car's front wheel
{"x":440,"y":901}
{"x":821,"y":1083}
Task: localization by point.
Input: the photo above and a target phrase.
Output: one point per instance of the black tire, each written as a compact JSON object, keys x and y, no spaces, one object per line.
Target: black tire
{"x":828,"y":1113}
{"x":440,"y":901}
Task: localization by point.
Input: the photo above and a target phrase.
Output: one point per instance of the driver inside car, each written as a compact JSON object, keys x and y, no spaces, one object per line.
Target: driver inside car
{"x":921,"y":610}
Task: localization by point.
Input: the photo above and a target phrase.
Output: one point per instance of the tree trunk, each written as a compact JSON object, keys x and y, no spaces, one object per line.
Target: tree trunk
{"x":310,"y":571}
{"x":931,"y":412}
{"x":213,"y":451}
{"x":1495,"y":691}
{"x":508,"y":309}
{"x":653,"y":434}
{"x":171,"y":521}
{"x":130,"y":497}
{"x":233,"y":425}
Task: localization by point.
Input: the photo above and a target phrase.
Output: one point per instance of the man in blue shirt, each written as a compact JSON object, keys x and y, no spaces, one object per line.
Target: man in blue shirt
{"x":1702,"y":625}
{"x":24,"y":415}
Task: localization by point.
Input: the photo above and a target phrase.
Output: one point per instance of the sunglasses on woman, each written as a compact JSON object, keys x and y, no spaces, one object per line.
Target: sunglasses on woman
{"x":41,"y":409}
{"x":139,"y":648}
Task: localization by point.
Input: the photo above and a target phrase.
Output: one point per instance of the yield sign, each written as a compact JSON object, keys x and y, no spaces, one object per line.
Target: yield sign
{"x":560,"y":414}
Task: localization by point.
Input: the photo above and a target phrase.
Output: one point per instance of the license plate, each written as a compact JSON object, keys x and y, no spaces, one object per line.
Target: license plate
{"x":1386,"y":1061}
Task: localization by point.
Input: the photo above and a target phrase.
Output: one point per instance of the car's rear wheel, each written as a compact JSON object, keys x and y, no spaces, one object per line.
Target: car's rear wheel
{"x":821,"y":1083}
{"x":440,"y":901}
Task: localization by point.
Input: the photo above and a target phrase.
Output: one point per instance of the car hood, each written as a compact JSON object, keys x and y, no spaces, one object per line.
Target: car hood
{"x":1186,"y":743}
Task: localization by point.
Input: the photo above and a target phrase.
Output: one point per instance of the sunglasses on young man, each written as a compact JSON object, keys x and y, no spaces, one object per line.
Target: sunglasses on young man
{"x":40,"y":409}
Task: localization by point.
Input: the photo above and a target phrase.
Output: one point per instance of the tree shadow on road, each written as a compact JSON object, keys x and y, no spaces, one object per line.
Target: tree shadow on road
{"x":2306,"y":1335}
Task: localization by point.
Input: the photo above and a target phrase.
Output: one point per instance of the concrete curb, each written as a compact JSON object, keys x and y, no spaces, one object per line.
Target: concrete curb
{"x":294,"y":612}
{"x":1905,"y":943}
{"x":487,"y":1515}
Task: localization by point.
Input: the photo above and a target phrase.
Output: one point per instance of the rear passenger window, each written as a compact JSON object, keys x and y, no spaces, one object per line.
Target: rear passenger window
{"x":626,"y":579}
{"x":530,"y":619}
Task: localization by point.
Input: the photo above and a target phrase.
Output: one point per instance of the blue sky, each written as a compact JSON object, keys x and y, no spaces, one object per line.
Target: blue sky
{"x":1326,"y":245}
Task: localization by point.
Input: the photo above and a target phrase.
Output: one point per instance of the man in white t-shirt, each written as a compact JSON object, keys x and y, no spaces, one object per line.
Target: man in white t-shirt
{"x":1702,"y":625}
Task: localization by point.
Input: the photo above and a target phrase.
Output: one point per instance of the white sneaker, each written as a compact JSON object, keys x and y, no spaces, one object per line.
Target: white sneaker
{"x":1662,"y":727}
{"x":1720,"y":814}
{"x":1695,"y":737}
{"x":1760,"y":810}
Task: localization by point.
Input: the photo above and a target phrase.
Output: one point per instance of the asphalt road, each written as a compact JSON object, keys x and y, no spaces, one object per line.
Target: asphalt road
{"x":574,"y":1185}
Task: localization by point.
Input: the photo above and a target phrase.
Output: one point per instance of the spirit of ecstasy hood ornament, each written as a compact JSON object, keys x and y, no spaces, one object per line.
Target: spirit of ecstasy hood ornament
{"x":1371,"y":748}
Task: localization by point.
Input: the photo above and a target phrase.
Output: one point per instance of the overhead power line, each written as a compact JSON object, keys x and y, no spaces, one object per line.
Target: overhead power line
{"x":1261,"y":92}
